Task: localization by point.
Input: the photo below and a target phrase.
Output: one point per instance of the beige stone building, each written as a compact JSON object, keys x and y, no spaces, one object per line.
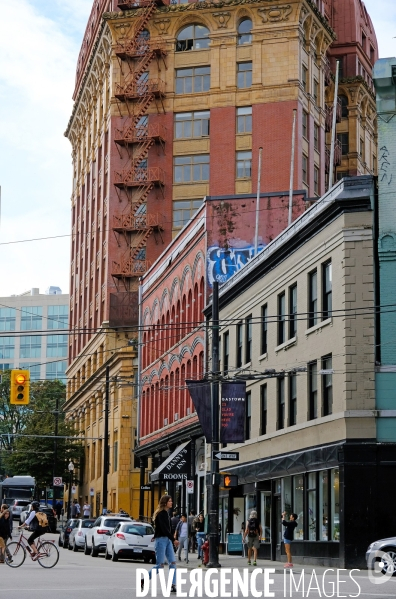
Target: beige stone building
{"x":301,"y":314}
{"x":86,"y":407}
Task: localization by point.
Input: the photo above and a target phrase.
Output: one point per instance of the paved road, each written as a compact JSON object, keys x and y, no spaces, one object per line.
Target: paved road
{"x":77,"y":576}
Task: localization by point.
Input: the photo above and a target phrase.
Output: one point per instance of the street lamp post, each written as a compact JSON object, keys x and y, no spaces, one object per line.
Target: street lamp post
{"x":71,"y":469}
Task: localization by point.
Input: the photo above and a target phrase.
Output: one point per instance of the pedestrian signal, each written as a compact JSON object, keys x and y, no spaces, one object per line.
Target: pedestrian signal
{"x":19,"y":391}
{"x":230,"y":481}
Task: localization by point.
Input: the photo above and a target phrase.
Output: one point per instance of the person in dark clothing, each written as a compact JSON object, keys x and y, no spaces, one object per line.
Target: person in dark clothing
{"x":288,"y":536}
{"x":164,"y":539}
{"x":174,"y":521}
{"x":4,"y":533}
{"x":6,"y":507}
{"x":200,"y":533}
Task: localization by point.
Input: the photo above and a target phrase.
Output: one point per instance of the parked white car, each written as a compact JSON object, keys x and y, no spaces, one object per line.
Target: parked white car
{"x":96,"y":536}
{"x":77,"y":535}
{"x":18,"y":506}
{"x":134,"y":540}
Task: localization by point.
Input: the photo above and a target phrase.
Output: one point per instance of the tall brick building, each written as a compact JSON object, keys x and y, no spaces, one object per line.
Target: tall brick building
{"x":172,"y":102}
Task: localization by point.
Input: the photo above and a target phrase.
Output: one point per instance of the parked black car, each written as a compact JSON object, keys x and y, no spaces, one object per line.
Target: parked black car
{"x":65,"y":532}
{"x":47,"y":510}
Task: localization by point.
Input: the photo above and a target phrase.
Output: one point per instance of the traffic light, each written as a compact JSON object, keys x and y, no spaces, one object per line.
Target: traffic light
{"x":20,"y":383}
{"x":230,"y":481}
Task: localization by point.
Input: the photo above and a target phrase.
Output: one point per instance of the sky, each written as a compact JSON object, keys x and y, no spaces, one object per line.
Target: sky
{"x":39,"y":45}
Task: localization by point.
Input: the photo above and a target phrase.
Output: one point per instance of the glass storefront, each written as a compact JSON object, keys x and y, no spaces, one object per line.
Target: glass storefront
{"x":266,"y":516}
{"x":312,"y":506}
{"x":324,"y":505}
{"x":335,"y":504}
{"x":298,"y":505}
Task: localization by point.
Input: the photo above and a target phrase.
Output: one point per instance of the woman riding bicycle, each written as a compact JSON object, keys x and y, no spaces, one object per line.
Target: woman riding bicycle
{"x":34,"y":525}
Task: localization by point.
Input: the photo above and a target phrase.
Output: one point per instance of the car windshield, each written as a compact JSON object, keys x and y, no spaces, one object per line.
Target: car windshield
{"x":86,"y":523}
{"x":111,"y":522}
{"x":137,"y":529}
{"x":21,"y":503}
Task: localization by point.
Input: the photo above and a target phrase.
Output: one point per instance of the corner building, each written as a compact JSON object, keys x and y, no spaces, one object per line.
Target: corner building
{"x":172,"y":103}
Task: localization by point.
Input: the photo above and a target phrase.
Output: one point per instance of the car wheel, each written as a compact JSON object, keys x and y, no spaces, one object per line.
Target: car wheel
{"x":147,"y":560}
{"x":86,"y":548}
{"x":114,"y":557}
{"x":387,"y":561}
{"x":94,"y":550}
{"x":107,"y":554}
{"x":75,"y":548}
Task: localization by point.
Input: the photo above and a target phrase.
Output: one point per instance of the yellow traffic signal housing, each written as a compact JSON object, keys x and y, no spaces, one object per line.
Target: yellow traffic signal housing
{"x":20,"y":385}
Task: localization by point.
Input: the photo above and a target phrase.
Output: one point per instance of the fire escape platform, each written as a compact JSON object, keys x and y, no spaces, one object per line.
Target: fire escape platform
{"x":140,"y":222}
{"x":132,"y":135}
{"x":135,"y":91}
{"x":139,"y":177}
{"x":128,"y":5}
{"x":137,"y":48}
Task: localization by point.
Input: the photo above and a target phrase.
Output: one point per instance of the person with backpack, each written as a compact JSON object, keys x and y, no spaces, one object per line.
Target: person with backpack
{"x":37,"y":522}
{"x":288,"y":536}
{"x":253,"y":532}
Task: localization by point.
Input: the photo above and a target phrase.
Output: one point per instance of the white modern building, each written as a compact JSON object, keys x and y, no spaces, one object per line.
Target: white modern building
{"x":34,"y":333}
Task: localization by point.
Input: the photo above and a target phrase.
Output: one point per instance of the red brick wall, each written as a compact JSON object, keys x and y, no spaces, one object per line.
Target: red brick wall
{"x":222,"y":150}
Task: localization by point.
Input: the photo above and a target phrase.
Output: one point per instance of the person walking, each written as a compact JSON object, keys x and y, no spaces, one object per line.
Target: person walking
{"x":174,"y":522}
{"x":253,"y":532}
{"x":182,"y":535}
{"x":164,"y":539}
{"x":288,"y":536}
{"x":4,"y":533}
{"x":86,"y":510}
{"x":200,"y":533}
{"x":2,"y":509}
{"x":191,"y":527}
{"x":76,"y":509}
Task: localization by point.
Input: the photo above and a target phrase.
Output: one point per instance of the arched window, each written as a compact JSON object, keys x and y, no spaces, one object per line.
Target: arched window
{"x":245,"y":32}
{"x":344,"y":106}
{"x":192,"y":37}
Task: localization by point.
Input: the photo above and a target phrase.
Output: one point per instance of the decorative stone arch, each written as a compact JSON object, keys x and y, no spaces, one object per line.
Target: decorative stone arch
{"x":146,"y":317}
{"x":197,"y":341}
{"x":175,"y":284}
{"x":153,"y":374}
{"x":186,"y":273}
{"x":163,"y":367}
{"x":190,"y":19}
{"x":184,"y":351}
{"x":164,"y":302}
{"x":174,"y":358}
{"x":198,"y":258}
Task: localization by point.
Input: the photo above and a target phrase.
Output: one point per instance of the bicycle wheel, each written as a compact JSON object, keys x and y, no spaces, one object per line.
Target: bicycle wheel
{"x":49,"y":554}
{"x":15,"y":555}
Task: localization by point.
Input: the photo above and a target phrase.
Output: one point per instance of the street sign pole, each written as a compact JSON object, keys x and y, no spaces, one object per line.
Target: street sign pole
{"x":213,"y":499}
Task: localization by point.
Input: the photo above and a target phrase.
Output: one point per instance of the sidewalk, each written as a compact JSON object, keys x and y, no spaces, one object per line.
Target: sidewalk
{"x":230,"y":561}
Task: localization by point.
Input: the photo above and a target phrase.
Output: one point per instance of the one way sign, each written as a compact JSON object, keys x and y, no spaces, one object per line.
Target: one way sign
{"x":222,"y":455}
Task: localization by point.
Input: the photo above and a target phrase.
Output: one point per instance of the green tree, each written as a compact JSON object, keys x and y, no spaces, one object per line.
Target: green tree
{"x":32,"y":452}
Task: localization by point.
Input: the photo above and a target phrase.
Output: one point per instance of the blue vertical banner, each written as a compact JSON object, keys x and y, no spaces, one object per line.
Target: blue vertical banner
{"x":233,"y":412}
{"x":200,"y":392}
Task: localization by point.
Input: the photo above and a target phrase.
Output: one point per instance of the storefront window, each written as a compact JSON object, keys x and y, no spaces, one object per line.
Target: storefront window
{"x":323,"y":505}
{"x":298,"y":505}
{"x":266,"y":516}
{"x":250,"y":504}
{"x":312,"y":506}
{"x":335,"y":504}
{"x":287,"y":495}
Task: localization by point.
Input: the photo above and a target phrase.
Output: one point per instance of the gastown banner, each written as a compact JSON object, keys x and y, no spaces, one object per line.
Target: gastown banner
{"x":200,"y":392}
{"x":233,"y":412}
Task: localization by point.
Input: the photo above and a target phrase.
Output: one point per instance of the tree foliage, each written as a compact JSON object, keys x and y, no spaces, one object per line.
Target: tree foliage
{"x":32,"y":453}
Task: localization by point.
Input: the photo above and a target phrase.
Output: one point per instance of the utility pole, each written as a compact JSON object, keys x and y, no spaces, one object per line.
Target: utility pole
{"x":106,"y":441}
{"x":214,"y":482}
{"x":55,"y":462}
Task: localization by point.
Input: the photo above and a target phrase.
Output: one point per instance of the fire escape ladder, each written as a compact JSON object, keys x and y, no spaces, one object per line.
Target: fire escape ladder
{"x":138,"y":178}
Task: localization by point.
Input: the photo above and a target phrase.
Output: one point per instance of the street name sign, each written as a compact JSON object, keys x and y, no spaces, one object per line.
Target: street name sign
{"x":222,"y":455}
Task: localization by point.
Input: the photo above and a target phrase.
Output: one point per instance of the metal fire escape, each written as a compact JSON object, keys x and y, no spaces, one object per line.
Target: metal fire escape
{"x":137,"y":93}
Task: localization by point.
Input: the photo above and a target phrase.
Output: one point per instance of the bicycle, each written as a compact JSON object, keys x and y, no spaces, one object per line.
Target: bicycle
{"x":15,"y":554}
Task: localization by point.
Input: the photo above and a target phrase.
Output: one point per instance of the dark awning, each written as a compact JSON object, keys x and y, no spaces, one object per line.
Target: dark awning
{"x":175,"y":467}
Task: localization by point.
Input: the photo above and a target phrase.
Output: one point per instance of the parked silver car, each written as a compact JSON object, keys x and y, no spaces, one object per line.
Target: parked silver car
{"x":132,"y":540}
{"x":77,"y":534}
{"x":384,"y":552}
